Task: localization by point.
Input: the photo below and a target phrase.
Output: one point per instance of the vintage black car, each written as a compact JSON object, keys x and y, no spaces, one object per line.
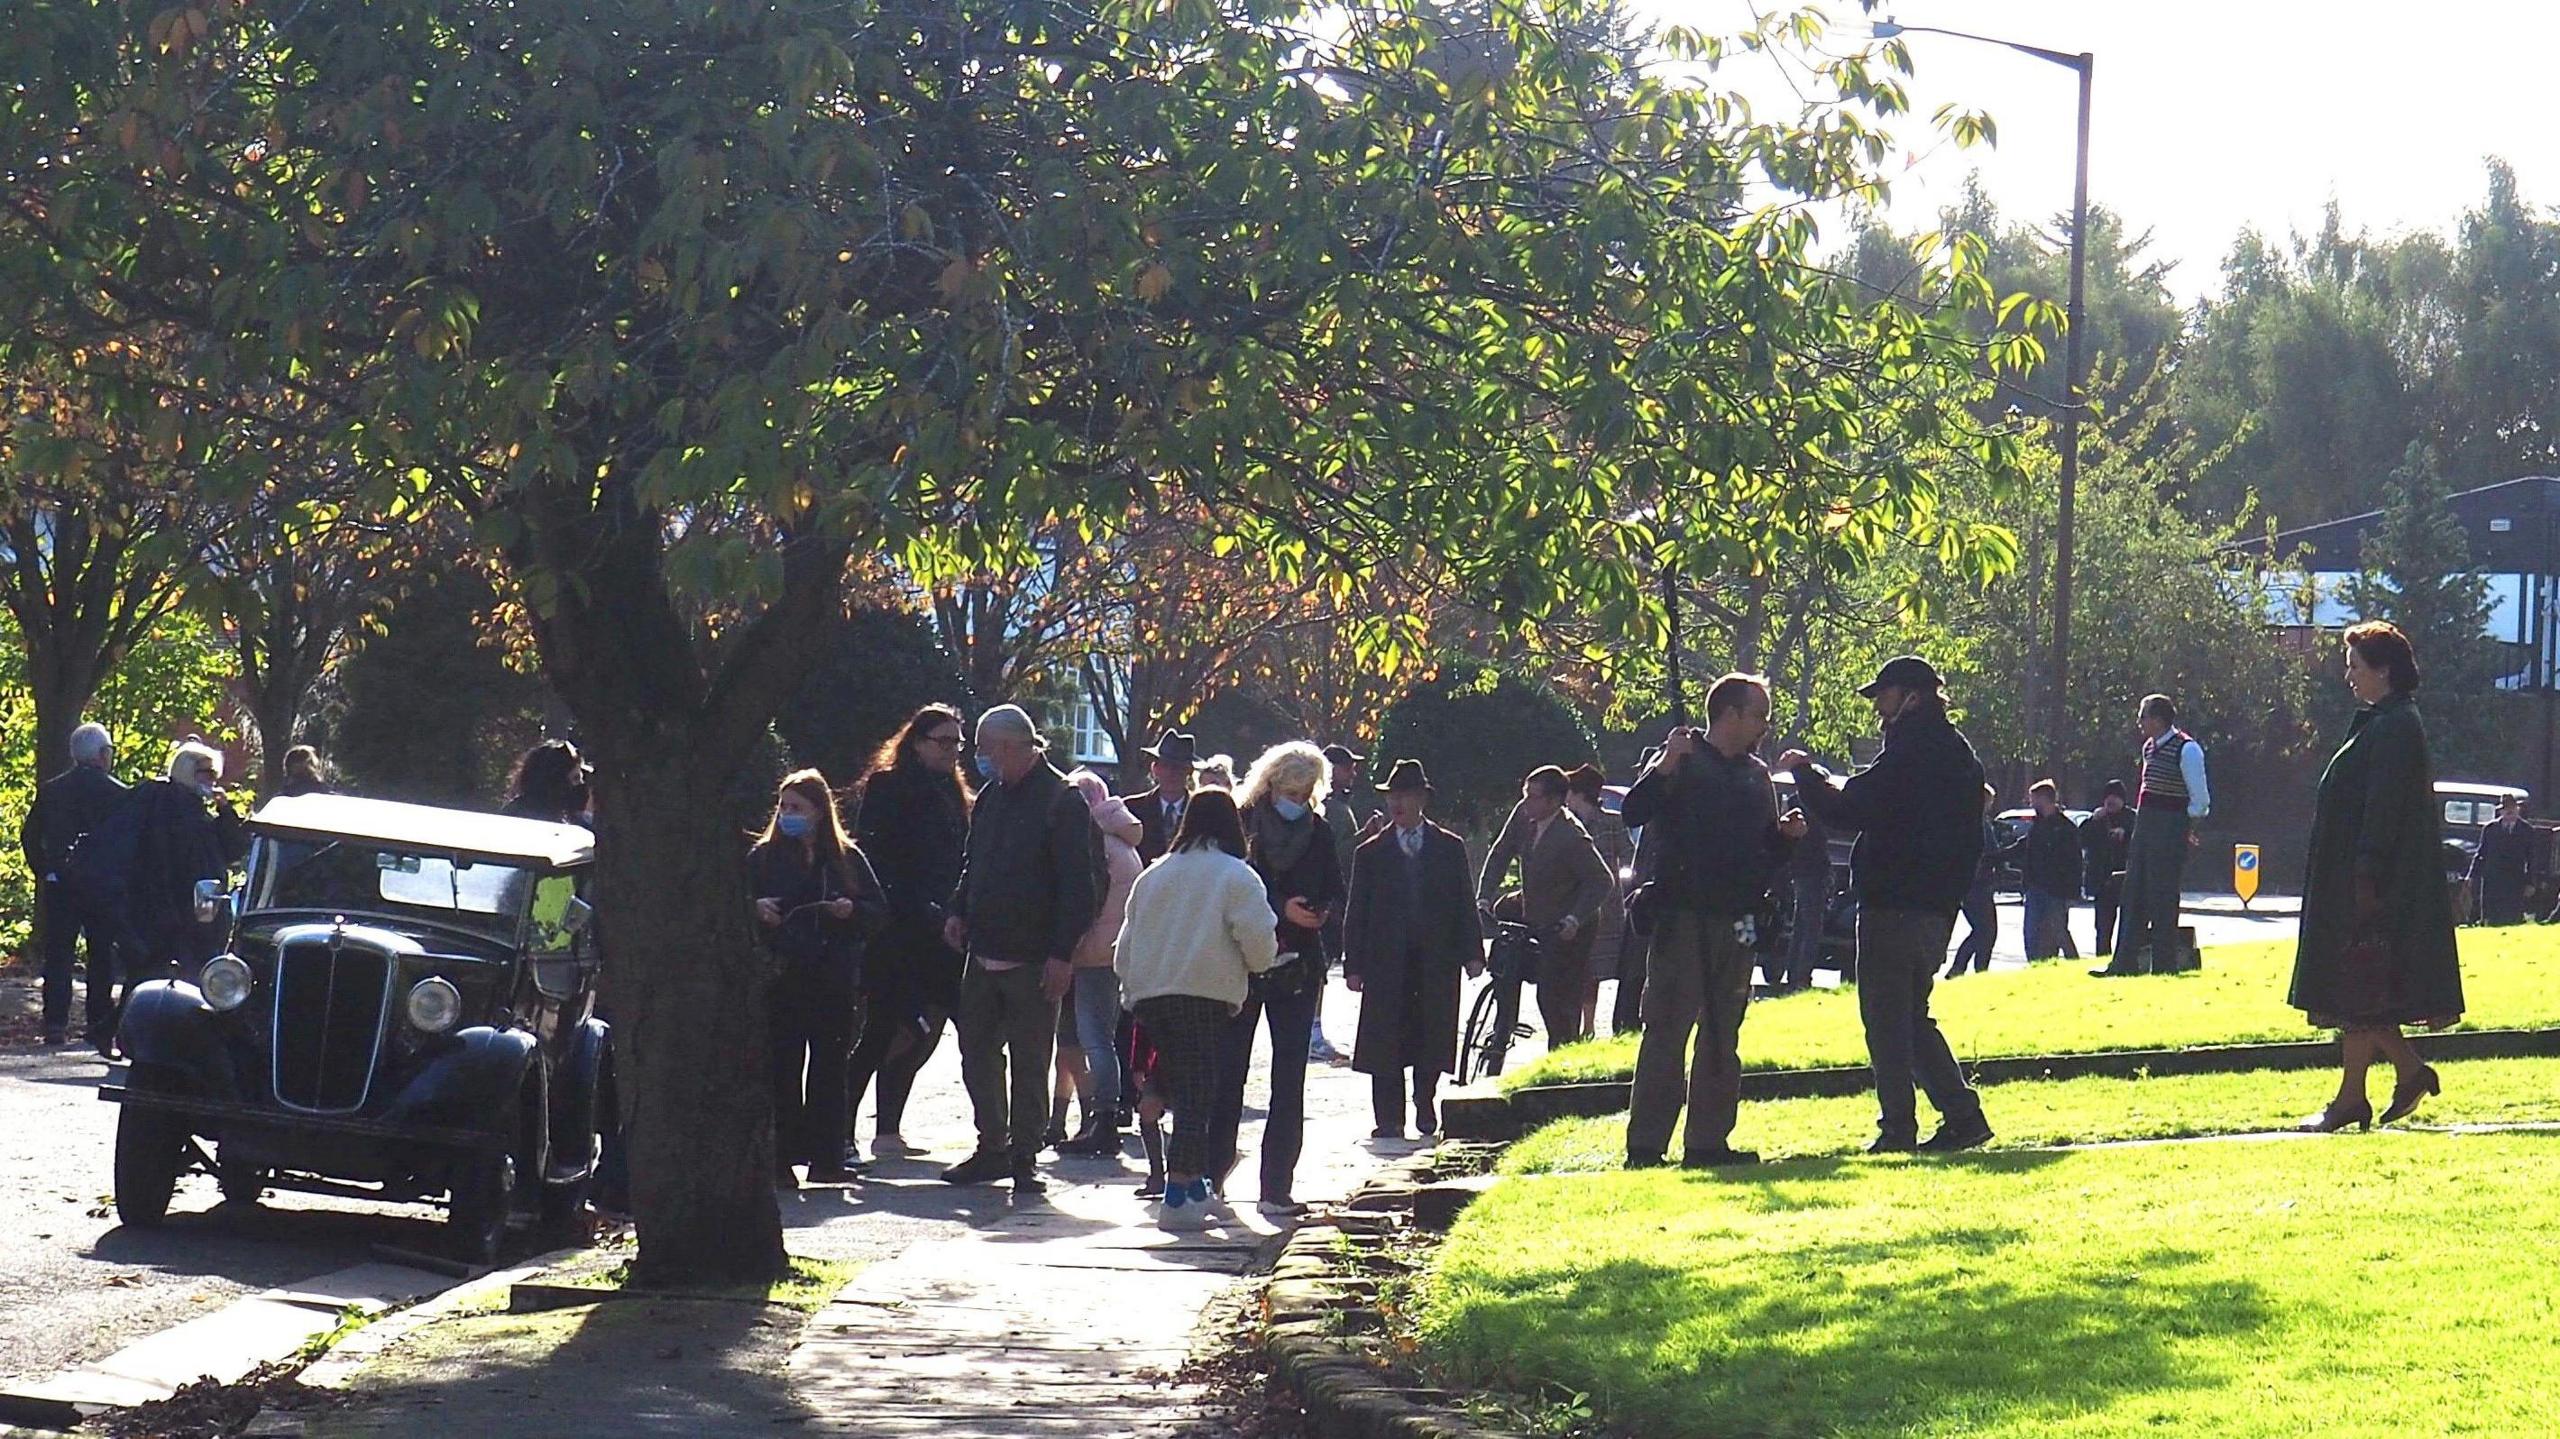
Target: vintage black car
{"x":406,"y":1011}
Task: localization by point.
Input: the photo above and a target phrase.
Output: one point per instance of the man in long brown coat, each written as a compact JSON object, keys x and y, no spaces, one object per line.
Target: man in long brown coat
{"x":1563,"y":883}
{"x":1408,"y":931}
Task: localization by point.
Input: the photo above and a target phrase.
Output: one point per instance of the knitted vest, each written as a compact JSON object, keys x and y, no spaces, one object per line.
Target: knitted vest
{"x":2164,"y":785}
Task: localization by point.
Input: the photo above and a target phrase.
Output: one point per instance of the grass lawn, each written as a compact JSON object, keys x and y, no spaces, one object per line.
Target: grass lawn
{"x":2079,"y":1111}
{"x":2383,"y":1285}
{"x":2510,"y":977}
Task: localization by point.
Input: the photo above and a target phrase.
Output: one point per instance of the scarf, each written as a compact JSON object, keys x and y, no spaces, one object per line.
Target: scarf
{"x":1275,"y":845}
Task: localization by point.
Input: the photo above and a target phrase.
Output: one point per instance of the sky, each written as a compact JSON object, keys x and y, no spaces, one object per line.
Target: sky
{"x":2211,"y":117}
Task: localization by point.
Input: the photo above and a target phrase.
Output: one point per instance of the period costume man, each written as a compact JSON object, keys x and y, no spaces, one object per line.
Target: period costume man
{"x":2172,"y":798}
{"x":2502,"y":865}
{"x":1563,"y":884}
{"x":1174,"y":764}
{"x":1409,"y":932}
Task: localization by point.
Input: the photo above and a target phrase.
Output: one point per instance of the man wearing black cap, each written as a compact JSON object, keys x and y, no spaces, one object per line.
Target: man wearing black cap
{"x":2106,"y":836}
{"x":1409,"y":931}
{"x":1918,"y":813}
{"x":1353,"y":815}
{"x":1171,"y":764}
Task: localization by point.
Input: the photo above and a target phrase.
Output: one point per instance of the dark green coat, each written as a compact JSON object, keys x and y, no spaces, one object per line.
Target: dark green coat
{"x":2377,"y":817}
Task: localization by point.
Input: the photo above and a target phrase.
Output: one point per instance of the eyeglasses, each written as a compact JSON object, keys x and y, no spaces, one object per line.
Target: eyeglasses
{"x":951,"y":738}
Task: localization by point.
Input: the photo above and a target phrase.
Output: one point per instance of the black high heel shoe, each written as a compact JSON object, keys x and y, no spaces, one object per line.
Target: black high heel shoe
{"x":2337,"y":1117}
{"x":2406,"y":1094}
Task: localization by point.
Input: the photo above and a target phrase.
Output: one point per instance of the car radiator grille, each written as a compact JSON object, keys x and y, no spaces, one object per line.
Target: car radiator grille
{"x":331,"y":999}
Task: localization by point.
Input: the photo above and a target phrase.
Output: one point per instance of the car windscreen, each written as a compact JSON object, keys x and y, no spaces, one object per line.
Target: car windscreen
{"x":356,"y":877}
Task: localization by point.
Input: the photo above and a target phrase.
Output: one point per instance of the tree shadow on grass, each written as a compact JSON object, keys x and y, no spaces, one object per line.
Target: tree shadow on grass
{"x":1950,"y":1329}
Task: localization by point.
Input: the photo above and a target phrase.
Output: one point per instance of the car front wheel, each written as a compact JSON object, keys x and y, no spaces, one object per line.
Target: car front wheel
{"x":151,"y":1151}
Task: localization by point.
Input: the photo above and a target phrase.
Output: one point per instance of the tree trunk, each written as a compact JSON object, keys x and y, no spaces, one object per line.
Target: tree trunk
{"x":688,"y":990}
{"x":686,"y":980}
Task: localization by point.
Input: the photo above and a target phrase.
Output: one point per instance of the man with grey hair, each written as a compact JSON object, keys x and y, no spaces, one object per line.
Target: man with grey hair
{"x":1029,"y":889}
{"x":67,"y":807}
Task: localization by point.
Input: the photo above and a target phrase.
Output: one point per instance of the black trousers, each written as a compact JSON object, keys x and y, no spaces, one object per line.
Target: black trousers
{"x":814,"y":1022}
{"x":891,"y":1050}
{"x":1982,"y":929}
{"x":2110,"y":900}
{"x":66,"y":921}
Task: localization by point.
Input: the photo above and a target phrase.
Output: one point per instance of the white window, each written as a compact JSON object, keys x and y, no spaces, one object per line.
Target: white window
{"x":1092,"y":742}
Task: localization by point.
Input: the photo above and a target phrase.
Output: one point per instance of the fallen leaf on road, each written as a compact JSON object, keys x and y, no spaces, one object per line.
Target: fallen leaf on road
{"x":122,"y":1281}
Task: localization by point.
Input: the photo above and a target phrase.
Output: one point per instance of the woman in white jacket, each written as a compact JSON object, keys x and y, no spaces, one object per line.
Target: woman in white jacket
{"x":1199,"y":927}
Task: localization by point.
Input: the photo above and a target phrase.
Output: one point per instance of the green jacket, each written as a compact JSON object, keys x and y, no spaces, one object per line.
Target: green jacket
{"x":2377,"y":818}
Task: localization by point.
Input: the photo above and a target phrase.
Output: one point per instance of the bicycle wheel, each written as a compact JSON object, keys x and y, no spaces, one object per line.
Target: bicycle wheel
{"x":1480,"y":1053}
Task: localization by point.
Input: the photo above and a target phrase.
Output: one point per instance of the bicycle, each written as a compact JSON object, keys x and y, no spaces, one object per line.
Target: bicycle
{"x":1493,"y":1023}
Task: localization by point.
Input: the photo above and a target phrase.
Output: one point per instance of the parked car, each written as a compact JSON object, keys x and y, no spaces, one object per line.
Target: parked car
{"x":406,"y":1012}
{"x":2009,"y":875}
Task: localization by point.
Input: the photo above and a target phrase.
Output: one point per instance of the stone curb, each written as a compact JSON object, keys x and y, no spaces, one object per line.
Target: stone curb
{"x":1318,"y":1307}
{"x":1490,"y":1116}
{"x":343,"y":1365}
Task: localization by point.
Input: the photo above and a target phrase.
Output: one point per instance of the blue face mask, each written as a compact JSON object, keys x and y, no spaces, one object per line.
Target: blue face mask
{"x":986,"y":767}
{"x":1289,"y":809}
{"x":792,"y":826}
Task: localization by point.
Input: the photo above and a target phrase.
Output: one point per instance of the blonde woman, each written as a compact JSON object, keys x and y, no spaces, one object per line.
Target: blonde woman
{"x":1291,"y":848}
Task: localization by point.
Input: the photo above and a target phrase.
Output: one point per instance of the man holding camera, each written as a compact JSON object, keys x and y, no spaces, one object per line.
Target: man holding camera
{"x":1709,"y":804}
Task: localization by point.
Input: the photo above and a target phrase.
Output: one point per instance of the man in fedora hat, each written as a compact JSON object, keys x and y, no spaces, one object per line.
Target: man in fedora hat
{"x":1172,"y":763}
{"x":1409,"y":931}
{"x":1918,"y":813}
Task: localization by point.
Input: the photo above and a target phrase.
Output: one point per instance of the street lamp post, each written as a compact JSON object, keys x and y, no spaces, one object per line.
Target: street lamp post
{"x":2058,"y":696}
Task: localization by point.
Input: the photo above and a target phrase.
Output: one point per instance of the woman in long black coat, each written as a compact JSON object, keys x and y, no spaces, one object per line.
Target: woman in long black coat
{"x":1408,"y":934}
{"x":914,"y":826}
{"x":2377,"y":947}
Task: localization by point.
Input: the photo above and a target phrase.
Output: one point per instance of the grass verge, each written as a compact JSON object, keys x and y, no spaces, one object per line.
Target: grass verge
{"x":2511,"y":978}
{"x":2356,"y":1286}
{"x":2039,"y":1113}
{"x":807,"y":1288}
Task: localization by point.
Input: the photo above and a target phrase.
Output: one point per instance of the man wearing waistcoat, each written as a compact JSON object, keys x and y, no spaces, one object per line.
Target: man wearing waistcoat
{"x":2171,"y":798}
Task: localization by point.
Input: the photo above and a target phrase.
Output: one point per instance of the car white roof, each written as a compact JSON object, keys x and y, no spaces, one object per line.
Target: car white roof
{"x":2477,"y":790}
{"x":426,"y":828}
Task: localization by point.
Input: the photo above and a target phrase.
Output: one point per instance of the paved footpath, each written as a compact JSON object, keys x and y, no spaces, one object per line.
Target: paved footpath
{"x":1069,"y":1315}
{"x":973,"y":1315}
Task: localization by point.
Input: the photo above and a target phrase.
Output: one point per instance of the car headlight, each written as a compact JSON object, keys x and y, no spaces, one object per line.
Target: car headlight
{"x":226,"y":982}
{"x":434,"y":1005}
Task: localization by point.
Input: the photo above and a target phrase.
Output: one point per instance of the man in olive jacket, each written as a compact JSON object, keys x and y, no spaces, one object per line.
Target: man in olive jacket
{"x":1918,"y":813}
{"x":1563,"y":883}
{"x":1027,"y":893}
{"x":1408,"y":931}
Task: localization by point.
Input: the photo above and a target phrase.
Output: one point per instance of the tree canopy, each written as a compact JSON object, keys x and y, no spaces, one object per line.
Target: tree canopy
{"x":684,"y":304}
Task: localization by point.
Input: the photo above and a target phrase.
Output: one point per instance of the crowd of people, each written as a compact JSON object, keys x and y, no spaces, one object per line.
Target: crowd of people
{"x":1118,"y":955}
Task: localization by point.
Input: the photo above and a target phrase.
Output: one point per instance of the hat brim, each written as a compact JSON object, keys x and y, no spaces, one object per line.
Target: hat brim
{"x":1872,"y":688}
{"x":1424,"y":787}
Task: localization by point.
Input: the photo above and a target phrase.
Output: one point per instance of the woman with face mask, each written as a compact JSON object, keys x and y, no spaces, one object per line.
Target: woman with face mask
{"x":816,"y":899}
{"x":1289,"y":845}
